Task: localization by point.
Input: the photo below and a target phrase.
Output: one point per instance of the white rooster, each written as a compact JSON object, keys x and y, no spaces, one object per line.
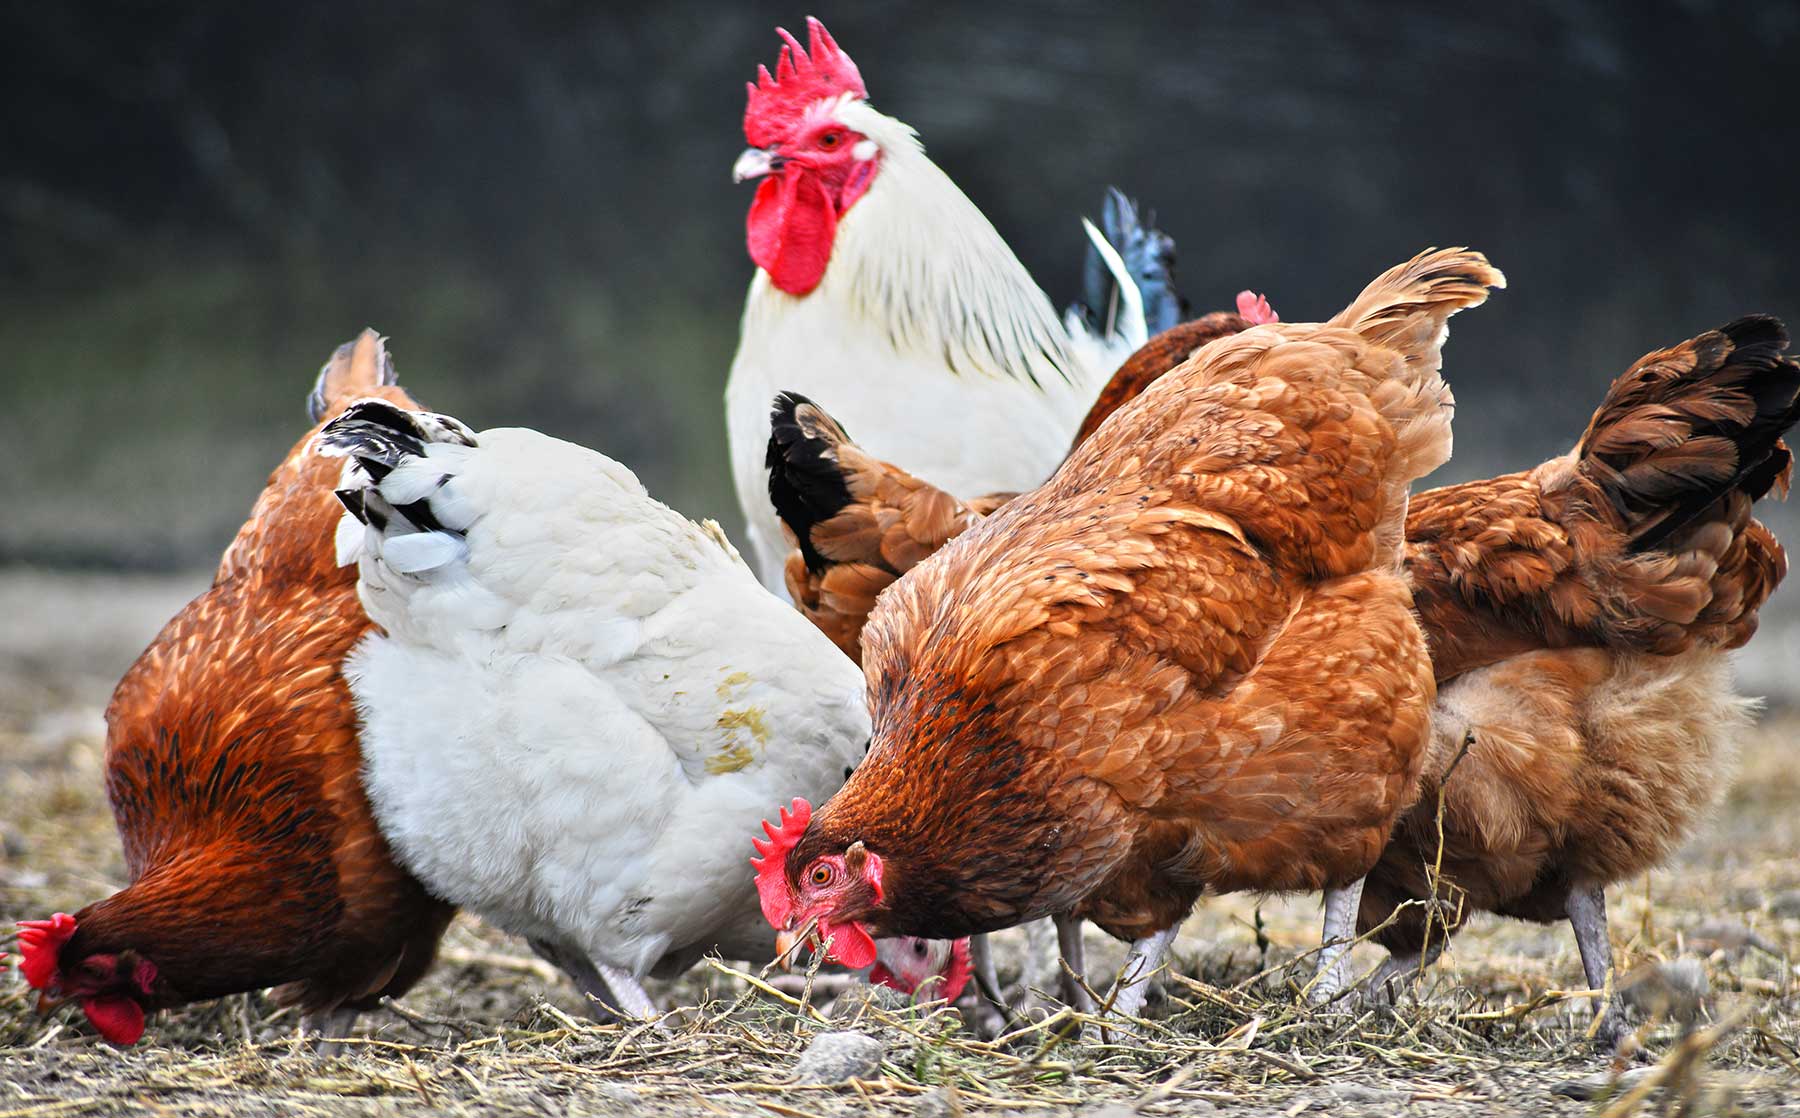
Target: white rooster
{"x":883,"y":292}
{"x":579,"y":700}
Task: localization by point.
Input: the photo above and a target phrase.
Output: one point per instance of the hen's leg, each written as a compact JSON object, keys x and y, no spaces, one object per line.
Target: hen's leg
{"x":1073,"y":975}
{"x":1340,"y":932}
{"x":987,"y":977}
{"x":628,"y":993}
{"x":1586,"y":908}
{"x":1134,"y":979}
{"x":1403,"y":969}
{"x":602,"y":1003}
{"x":328,"y":1027}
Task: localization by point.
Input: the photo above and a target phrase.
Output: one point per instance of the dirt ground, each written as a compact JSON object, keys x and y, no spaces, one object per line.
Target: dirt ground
{"x":1715,"y":935}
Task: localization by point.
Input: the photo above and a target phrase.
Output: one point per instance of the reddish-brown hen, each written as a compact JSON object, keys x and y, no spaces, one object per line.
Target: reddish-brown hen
{"x":1579,"y":614}
{"x":233,"y":769}
{"x":1187,"y":662}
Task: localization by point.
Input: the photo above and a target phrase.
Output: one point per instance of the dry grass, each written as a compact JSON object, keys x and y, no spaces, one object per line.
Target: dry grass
{"x":1496,"y":1028}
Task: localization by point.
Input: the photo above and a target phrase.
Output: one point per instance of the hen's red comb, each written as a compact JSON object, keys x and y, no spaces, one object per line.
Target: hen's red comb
{"x":1256,"y":308}
{"x":39,"y":943}
{"x":771,"y":863}
{"x":802,"y":77}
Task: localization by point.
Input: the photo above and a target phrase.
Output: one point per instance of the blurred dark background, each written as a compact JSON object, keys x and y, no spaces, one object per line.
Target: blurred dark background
{"x":198,"y":201}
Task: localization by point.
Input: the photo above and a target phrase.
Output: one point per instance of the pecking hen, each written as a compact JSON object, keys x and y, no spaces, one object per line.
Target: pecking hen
{"x":882,"y":289}
{"x":577,"y":698}
{"x":1187,"y":662}
{"x":232,"y":769}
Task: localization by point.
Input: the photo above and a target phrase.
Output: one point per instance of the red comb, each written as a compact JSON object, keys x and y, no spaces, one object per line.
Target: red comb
{"x":39,"y":942}
{"x":1256,"y":308}
{"x":802,"y":77}
{"x":771,"y":863}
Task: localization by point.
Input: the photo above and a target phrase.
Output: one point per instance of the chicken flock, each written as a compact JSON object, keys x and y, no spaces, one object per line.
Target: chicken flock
{"x":1152,"y":601}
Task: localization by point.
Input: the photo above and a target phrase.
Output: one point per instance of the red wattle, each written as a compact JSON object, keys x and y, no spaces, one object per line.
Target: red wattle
{"x":118,"y":1018}
{"x":850,"y":944}
{"x":790,"y":230}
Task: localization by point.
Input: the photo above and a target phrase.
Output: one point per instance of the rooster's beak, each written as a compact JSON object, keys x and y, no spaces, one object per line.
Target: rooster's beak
{"x":755,"y":163}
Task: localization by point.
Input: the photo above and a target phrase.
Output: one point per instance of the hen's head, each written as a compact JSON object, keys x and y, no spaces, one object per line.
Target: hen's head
{"x":806,"y":145}
{"x":113,"y":987}
{"x":926,"y":968}
{"x":830,"y":897}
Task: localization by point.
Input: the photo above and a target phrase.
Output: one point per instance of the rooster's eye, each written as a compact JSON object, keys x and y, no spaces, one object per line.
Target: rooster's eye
{"x":821,"y":875}
{"x":830,"y":140}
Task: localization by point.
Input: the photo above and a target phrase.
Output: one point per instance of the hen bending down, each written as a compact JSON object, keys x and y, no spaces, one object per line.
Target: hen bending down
{"x":232,"y":769}
{"x":1187,"y":662}
{"x":577,"y":697}
{"x":1578,"y":614}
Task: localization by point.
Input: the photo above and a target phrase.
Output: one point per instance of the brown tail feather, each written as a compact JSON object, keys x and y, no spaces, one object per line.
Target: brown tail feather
{"x":358,"y":368}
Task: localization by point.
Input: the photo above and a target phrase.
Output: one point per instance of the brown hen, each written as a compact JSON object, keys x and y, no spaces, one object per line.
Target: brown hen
{"x":1636,"y":553}
{"x":233,"y":770}
{"x":1578,"y":615}
{"x":1186,"y":662}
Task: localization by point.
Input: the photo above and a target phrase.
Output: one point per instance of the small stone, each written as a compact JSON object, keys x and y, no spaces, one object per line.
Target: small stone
{"x":1596,"y":1086}
{"x":1106,"y":1110}
{"x":1357,"y":1093}
{"x":862,"y":997}
{"x":839,"y":1058}
{"x":13,"y":843}
{"x":940,"y":1102}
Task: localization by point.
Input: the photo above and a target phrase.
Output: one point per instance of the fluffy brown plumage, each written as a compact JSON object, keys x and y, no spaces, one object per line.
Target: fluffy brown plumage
{"x":233,"y":770}
{"x":1579,"y":613}
{"x":1186,"y":662}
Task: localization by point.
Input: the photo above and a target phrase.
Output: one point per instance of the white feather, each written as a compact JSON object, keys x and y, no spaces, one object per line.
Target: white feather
{"x":418,"y":552}
{"x":575,"y":728}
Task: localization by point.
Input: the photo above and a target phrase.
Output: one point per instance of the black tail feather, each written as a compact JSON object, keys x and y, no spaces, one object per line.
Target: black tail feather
{"x":1149,"y":255}
{"x":805,"y":484}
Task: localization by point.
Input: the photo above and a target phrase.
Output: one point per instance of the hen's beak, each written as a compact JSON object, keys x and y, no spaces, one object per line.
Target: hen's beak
{"x":49,"y":1000}
{"x":785,"y":943}
{"x":755,"y":163}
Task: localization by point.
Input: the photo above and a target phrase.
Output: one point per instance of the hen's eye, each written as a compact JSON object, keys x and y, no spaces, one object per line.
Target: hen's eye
{"x":821,"y":875}
{"x":831,"y":139}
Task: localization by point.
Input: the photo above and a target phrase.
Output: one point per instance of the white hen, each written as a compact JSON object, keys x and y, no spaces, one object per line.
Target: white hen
{"x":582,"y":700}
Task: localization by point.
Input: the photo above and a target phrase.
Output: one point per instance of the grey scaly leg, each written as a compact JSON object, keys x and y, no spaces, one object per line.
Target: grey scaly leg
{"x":987,"y":977}
{"x":628,"y":993}
{"x":1586,"y":908}
{"x":328,"y":1027}
{"x":1340,"y":930}
{"x":1145,"y":957}
{"x":1402,"y":969}
{"x":1073,"y":975}
{"x":602,"y":1003}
